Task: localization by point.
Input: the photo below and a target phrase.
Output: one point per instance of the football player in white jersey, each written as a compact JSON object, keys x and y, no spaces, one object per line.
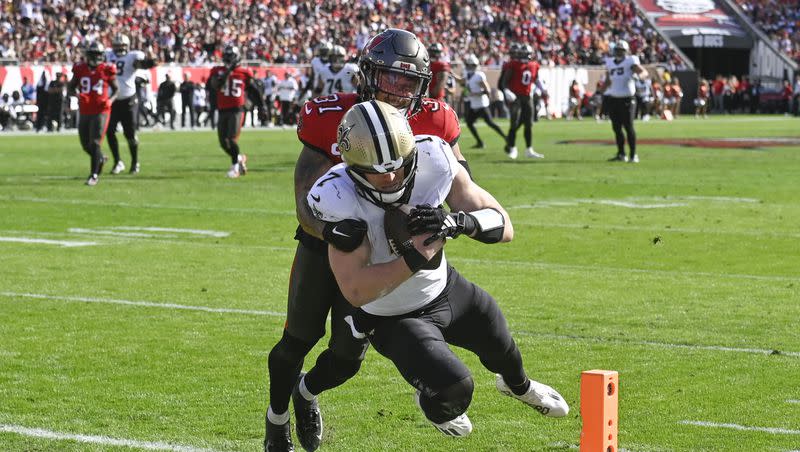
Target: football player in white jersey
{"x":338,"y":76}
{"x":412,"y":303}
{"x":318,"y":64}
{"x":125,"y":108}
{"x":620,"y":89}
{"x":479,"y":102}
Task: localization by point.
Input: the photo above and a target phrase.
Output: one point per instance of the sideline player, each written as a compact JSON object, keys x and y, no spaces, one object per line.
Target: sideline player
{"x":620,"y":89}
{"x":516,"y":78}
{"x":337,"y":76}
{"x":94,"y":80}
{"x":412,"y":304}
{"x":230,"y":82}
{"x":395,"y":68}
{"x":478,"y":99}
{"x":318,"y":63}
{"x":124,"y":109}
{"x":441,"y":74}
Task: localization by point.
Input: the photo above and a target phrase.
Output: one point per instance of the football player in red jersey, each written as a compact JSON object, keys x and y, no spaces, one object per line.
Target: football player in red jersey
{"x":395,"y":69}
{"x":516,"y":80}
{"x":96,"y":85}
{"x":441,"y":71}
{"x":231,"y":83}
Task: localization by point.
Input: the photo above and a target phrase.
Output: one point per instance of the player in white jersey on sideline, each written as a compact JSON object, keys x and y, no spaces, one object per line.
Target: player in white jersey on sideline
{"x":412,"y":304}
{"x":479,"y":90}
{"x":318,"y":64}
{"x":124,"y":110}
{"x":338,"y":76}
{"x":621,"y":72}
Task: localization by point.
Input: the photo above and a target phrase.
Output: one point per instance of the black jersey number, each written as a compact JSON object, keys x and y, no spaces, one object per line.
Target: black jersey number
{"x":334,"y":85}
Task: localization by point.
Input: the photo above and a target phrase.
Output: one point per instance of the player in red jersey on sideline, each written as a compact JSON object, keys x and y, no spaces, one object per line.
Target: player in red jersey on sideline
{"x":516,"y":81}
{"x":96,"y":85}
{"x":232,"y":83}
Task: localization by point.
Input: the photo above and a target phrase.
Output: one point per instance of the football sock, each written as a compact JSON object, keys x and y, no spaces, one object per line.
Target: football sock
{"x":304,"y":391}
{"x":277,"y":419}
{"x":114,"y":145}
{"x":521,"y":388}
{"x":134,"y":155}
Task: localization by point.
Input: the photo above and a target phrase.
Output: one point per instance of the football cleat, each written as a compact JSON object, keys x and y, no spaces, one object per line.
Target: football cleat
{"x":118,"y":168}
{"x":233,"y":173}
{"x":242,"y":164}
{"x":634,"y":159}
{"x":512,"y":152}
{"x":619,"y":158}
{"x":279,"y":438}
{"x":135,"y":168}
{"x":459,"y":427}
{"x":92,"y":180}
{"x":531,"y":154}
{"x":540,"y":397}
{"x":308,"y":418}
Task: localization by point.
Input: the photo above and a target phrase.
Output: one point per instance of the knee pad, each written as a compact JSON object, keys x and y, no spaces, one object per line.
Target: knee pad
{"x":289,"y":351}
{"x":448,"y":403}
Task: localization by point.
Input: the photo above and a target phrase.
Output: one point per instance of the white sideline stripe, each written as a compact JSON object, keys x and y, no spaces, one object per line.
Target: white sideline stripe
{"x":781,"y":431}
{"x":82,"y":202}
{"x":148,"y":304}
{"x":94,"y":439}
{"x":718,"y":348}
{"x":792,"y":401}
{"x":67,"y":243}
{"x":618,"y":270}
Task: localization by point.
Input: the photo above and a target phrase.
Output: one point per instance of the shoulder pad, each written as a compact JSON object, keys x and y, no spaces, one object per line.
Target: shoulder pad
{"x":333,"y":196}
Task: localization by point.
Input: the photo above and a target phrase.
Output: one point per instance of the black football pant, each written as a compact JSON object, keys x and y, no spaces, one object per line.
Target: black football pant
{"x":621,"y":111}
{"x":521,"y":115}
{"x":481,"y":113}
{"x":313,"y":293}
{"x":124,"y":111}
{"x":91,"y":130}
{"x":418,"y":343}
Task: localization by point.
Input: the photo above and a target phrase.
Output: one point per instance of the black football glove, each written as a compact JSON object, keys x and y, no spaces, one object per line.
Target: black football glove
{"x":345,"y":235}
{"x":426,"y":218}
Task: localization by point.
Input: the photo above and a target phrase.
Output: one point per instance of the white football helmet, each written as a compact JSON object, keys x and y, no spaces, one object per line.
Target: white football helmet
{"x":375,"y":138}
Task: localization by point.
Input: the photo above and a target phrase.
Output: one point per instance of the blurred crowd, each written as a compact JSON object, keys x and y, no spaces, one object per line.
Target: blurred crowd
{"x":780,"y":20}
{"x":285,"y":31}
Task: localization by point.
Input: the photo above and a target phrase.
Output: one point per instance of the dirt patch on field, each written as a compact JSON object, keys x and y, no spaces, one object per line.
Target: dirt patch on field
{"x":740,"y":143}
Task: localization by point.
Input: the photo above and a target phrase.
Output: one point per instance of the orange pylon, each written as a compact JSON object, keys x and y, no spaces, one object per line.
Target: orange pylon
{"x":599,"y":410}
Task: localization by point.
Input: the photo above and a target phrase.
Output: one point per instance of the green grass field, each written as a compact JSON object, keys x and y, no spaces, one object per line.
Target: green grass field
{"x":126,"y":325}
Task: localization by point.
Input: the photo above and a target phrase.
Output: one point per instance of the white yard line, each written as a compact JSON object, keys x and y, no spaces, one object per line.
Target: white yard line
{"x":172,"y":232}
{"x":86,"y":202}
{"x":150,"y":304}
{"x":660,"y":229}
{"x":716,"y":348}
{"x":140,"y":235}
{"x":774,"y":430}
{"x":147,"y":304}
{"x":207,"y":232}
{"x":98,"y":439}
{"x":618,"y":270}
{"x":65,"y":243}
{"x":793,"y":401}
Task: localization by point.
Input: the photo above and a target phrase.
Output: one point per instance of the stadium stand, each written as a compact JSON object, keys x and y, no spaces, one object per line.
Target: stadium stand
{"x":780,"y":20}
{"x":281,"y":31}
